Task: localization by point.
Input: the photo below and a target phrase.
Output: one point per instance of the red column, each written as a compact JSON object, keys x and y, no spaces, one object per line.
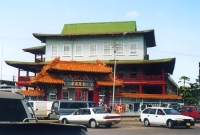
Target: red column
{"x":163,"y":74}
{"x":118,"y":90}
{"x":140,"y":89}
{"x":45,"y":93}
{"x":37,"y":89}
{"x":107,"y":96}
{"x":96,"y":93}
{"x":18,"y":86}
{"x":163,"y":89}
{"x":59,"y":92}
{"x":78,"y":94}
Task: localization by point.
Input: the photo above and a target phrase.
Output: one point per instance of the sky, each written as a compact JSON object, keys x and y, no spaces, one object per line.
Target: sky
{"x":176,"y":24}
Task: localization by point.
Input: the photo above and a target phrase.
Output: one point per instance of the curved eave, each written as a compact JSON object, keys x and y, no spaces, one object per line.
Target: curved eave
{"x":35,"y":50}
{"x":27,"y":66}
{"x":33,"y":93}
{"x":148,"y":34}
{"x":77,"y":70}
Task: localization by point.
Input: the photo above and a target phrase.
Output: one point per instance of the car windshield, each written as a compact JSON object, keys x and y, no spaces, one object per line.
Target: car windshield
{"x":99,"y":110}
{"x":171,"y":112}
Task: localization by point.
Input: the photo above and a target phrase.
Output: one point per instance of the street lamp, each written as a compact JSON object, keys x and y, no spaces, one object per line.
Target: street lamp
{"x":115,"y":46}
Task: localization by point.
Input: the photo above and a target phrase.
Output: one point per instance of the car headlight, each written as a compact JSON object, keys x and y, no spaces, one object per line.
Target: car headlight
{"x":178,"y":119}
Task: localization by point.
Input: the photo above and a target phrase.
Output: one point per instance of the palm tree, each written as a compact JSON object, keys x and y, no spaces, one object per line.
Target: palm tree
{"x":185,"y":79}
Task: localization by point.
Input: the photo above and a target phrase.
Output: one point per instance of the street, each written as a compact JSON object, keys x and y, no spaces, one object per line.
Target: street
{"x":130,"y":126}
{"x":137,"y":128}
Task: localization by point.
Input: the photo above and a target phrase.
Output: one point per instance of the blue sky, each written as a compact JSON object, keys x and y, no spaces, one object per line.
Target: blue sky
{"x":176,"y":24}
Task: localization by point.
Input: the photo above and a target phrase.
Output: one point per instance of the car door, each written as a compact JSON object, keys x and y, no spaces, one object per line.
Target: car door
{"x":151,"y":116}
{"x":75,"y":118}
{"x":85,"y":117}
{"x":160,"y":117}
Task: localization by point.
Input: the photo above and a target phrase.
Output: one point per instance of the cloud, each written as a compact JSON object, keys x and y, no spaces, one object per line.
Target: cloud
{"x":132,"y":14}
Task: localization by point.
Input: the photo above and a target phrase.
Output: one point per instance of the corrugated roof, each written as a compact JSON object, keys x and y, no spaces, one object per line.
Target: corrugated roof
{"x":99,"y":28}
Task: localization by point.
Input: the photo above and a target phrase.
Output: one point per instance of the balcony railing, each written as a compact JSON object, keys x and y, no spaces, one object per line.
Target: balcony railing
{"x":39,"y":59}
{"x":142,"y":79}
{"x":25,"y":78}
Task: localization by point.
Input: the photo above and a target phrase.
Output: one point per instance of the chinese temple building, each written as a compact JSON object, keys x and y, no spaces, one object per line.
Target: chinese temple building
{"x":79,"y":63}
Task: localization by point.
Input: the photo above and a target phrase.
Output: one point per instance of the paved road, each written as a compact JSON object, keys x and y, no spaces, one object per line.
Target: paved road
{"x":137,"y":128}
{"x":131,"y":126}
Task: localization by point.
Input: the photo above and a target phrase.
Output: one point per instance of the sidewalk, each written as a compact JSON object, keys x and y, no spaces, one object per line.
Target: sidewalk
{"x":124,"y":118}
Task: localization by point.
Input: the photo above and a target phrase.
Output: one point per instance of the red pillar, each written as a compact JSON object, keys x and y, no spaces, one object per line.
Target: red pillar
{"x":59,"y":92}
{"x":107,"y":96}
{"x":18,"y":86}
{"x":163,"y":89}
{"x":140,"y":89}
{"x":96,"y":93}
{"x":78,"y":94}
{"x":45,"y":93}
{"x":37,"y":89}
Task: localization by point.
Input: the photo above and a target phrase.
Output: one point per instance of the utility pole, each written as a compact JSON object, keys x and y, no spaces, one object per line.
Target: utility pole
{"x":13,"y":81}
{"x":1,"y":65}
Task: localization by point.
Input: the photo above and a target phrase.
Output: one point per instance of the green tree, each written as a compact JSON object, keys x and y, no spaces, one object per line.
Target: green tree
{"x":182,"y":90}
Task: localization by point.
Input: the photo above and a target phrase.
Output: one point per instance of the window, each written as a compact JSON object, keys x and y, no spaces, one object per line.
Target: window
{"x":66,"y":49}
{"x":146,"y":110}
{"x":52,"y":97}
{"x":133,"y":48}
{"x":54,"y":49}
{"x":93,"y":49}
{"x":79,"y":50}
{"x":65,"y":95}
{"x":120,"y":48}
{"x":153,"y":111}
{"x":107,"y":49}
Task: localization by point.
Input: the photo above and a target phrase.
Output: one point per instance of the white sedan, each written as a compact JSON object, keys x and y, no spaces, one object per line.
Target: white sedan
{"x":92,"y":117}
{"x":165,"y":116}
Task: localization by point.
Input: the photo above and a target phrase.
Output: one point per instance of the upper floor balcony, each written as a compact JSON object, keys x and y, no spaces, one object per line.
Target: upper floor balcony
{"x":24,"y":80}
{"x":144,"y":79}
{"x":127,"y":80}
{"x":37,"y":60}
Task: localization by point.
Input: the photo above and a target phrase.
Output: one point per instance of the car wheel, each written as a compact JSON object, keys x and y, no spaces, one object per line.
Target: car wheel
{"x":65,"y":121}
{"x":108,"y":125}
{"x":93,"y":124}
{"x":146,"y":122}
{"x":170,"y":124}
{"x":187,"y":127}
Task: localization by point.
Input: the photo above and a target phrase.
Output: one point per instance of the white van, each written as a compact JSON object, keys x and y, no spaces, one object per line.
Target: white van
{"x":42,"y":109}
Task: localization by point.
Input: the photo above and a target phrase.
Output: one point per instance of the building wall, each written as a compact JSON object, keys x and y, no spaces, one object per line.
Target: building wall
{"x":60,"y":41}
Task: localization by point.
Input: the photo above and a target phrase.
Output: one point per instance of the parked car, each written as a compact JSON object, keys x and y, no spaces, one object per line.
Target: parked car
{"x":165,"y":116}
{"x":92,"y":117}
{"x":192,"y":111}
{"x":15,"y":118}
{"x":66,"y":107}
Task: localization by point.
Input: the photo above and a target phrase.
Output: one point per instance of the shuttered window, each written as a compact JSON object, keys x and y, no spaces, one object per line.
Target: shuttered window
{"x":66,"y":49}
{"x":133,"y":48}
{"x":79,"y":50}
{"x":93,"y":49}
{"x":54,"y":50}
{"x":107,"y":49}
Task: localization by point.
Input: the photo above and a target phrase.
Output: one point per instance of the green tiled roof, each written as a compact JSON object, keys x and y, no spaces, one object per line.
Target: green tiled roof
{"x":35,"y":48}
{"x":99,"y":28}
